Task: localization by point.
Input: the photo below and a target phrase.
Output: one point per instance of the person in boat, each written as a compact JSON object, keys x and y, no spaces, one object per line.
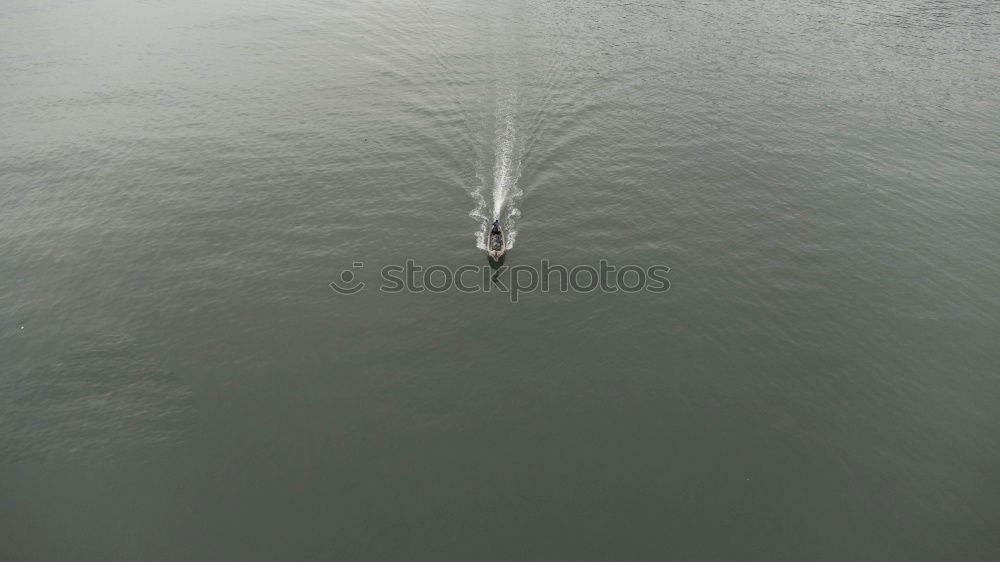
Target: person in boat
{"x":496,"y":239}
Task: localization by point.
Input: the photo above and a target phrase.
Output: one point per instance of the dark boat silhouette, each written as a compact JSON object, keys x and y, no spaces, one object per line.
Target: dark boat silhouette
{"x":495,"y":244}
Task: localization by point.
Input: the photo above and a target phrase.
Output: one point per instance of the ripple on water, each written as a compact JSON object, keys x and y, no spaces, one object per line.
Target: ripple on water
{"x":103,"y":399}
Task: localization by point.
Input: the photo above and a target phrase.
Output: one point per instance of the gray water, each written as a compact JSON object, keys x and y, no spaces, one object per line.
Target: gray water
{"x":182,"y":180}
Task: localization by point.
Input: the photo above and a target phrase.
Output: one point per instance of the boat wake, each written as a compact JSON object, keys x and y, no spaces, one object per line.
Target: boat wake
{"x":507,"y":109}
{"x":502,"y":204}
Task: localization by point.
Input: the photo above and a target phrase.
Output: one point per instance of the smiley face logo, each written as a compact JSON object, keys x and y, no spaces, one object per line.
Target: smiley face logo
{"x":347,"y":285}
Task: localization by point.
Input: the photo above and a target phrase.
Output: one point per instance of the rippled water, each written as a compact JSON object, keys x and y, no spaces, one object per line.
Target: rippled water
{"x":180,"y":182}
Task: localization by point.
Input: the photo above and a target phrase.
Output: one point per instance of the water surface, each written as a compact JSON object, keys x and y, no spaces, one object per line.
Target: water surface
{"x":181,"y":180}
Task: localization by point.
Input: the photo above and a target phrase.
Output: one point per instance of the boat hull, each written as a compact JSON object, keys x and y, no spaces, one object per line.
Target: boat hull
{"x":495,"y":244}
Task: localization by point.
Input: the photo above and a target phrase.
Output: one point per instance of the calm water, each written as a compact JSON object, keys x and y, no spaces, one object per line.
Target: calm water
{"x":181,"y":181}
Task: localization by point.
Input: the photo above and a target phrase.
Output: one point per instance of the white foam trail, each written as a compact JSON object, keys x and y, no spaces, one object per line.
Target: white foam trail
{"x":502,"y":168}
{"x":506,"y":171}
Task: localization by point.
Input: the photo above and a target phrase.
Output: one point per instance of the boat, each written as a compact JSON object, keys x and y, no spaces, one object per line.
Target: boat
{"x":495,"y":245}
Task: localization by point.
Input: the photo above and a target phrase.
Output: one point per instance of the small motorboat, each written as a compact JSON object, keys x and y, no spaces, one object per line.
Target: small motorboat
{"x":495,"y":246}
